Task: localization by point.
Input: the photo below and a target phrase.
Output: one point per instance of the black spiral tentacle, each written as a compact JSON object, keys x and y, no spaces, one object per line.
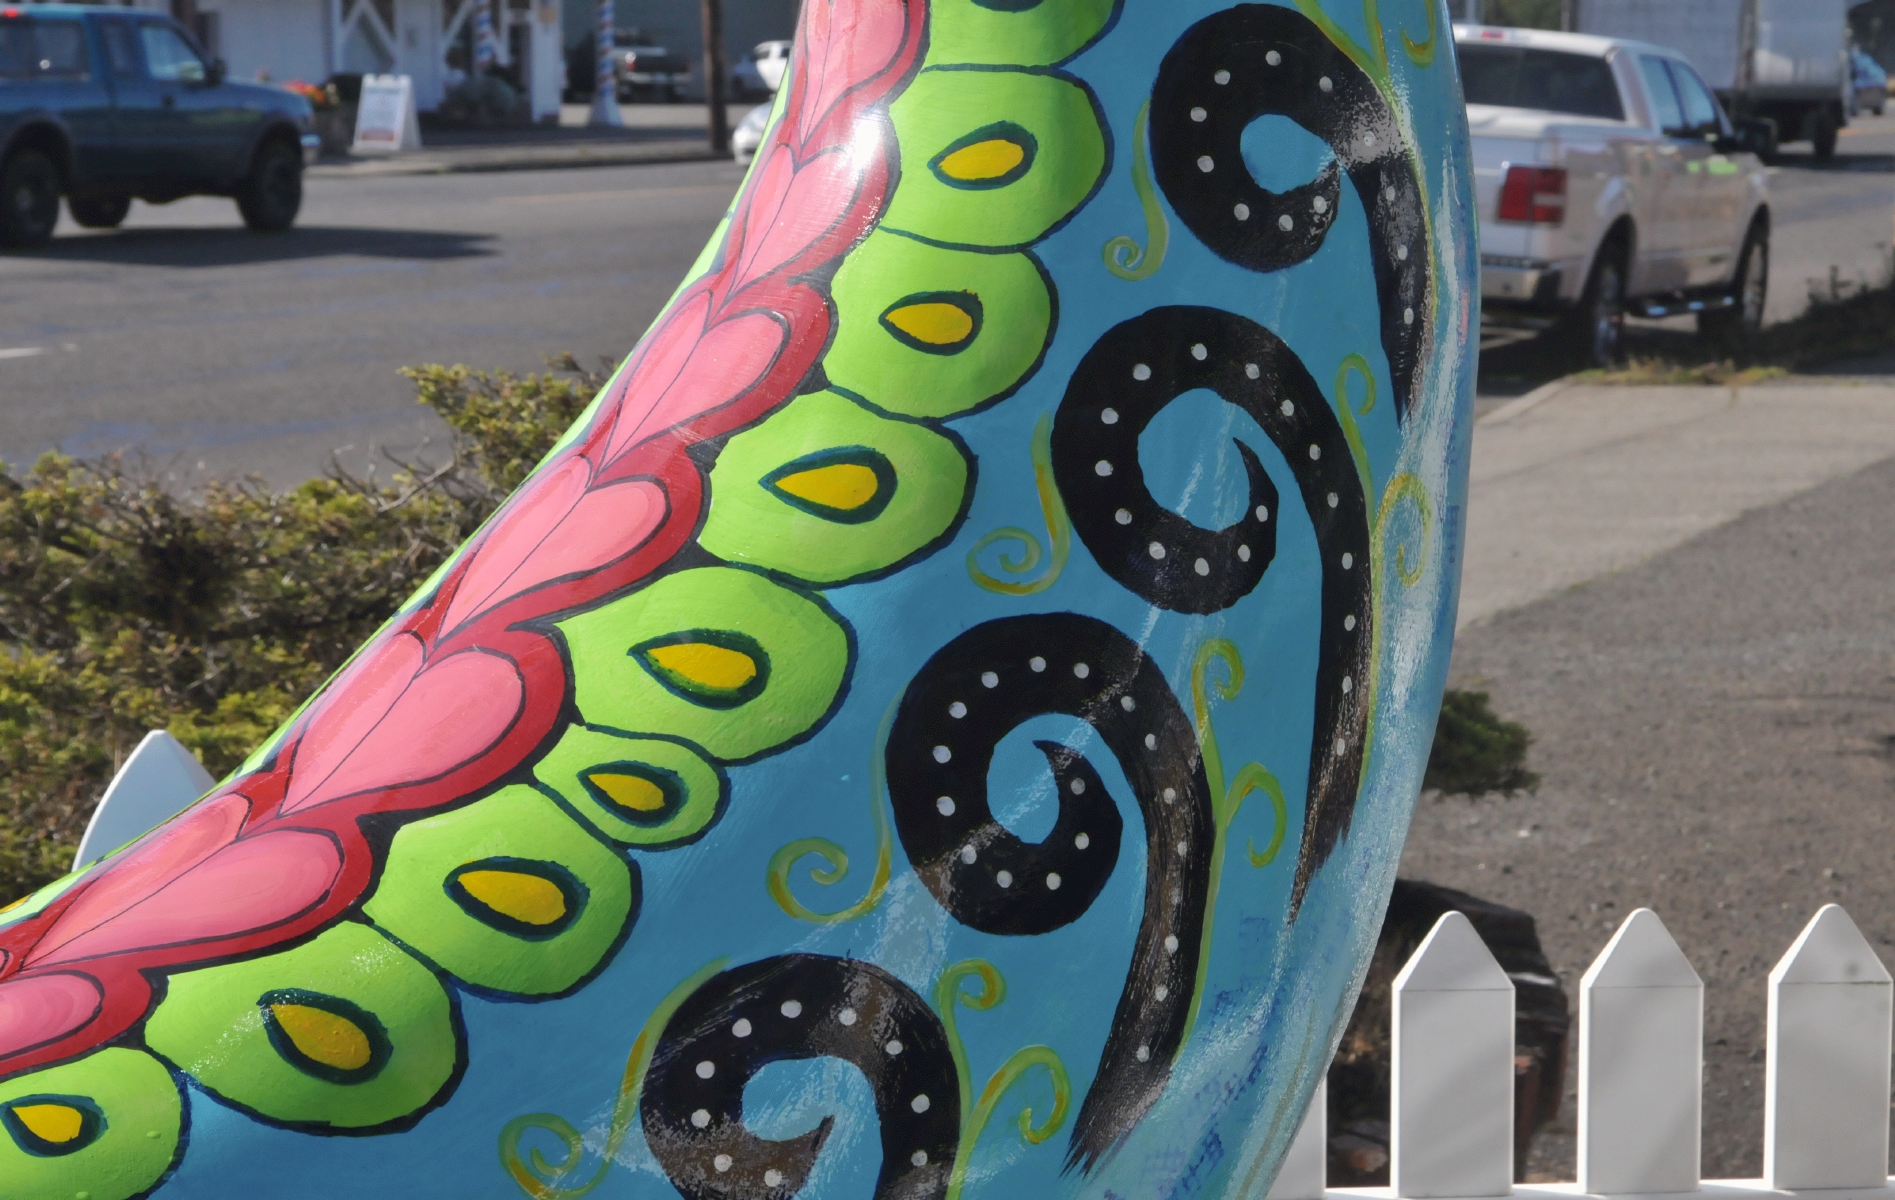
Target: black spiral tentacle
{"x":1257,"y":59}
{"x":968,"y":697}
{"x":1125,"y":380}
{"x":799,"y":1006}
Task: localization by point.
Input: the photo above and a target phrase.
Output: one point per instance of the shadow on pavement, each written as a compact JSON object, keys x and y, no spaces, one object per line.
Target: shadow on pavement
{"x":213,"y":247}
{"x":1871,"y":164}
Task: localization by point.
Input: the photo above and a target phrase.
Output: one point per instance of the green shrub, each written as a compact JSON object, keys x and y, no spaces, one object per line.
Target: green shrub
{"x":1475,"y":751}
{"x":125,"y":608}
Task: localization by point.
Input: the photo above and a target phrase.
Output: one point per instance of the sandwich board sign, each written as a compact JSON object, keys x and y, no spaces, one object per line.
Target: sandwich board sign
{"x":385,"y":120}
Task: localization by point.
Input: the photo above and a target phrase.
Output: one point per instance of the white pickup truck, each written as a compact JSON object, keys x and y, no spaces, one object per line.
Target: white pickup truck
{"x":1610,"y":180}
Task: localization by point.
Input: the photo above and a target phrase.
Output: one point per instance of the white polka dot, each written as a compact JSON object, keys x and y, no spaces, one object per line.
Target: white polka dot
{"x":1171,"y":943}
{"x":1102,"y":468}
{"x":1151,"y":741}
{"x":846,"y":1016}
{"x":989,"y":679}
{"x":1241,"y":211}
{"x":1109,"y":417}
{"x":1183,"y":848}
{"x":792,"y":1009}
{"x":919,"y":1158}
{"x":1348,"y":560}
{"x":1341,"y":746}
{"x":1205,"y":164}
{"x":1083,"y":840}
{"x":1198,"y":114}
{"x":1222,"y":77}
{"x":1037,"y":663}
{"x":946,"y":805}
{"x":1078,"y":787}
{"x":1243,"y":553}
{"x":1408,"y":316}
{"x":1315,"y":452}
{"x":1127,"y":703}
{"x":1348,"y":685}
{"x":1320,"y":204}
{"x":967,"y":855}
{"x":1162,"y":992}
{"x":957,"y":710}
{"x":1252,"y":371}
{"x":701,"y":1118}
{"x":1273,"y":58}
{"x":1401,"y":252}
{"x":1348,"y":622}
{"x":741,"y":1028}
{"x":1288,"y":409}
{"x":1171,"y":795}
{"x":1004,"y":879}
{"x":942,"y":754}
{"x":706,"y":1069}
{"x":773,"y":1178}
{"x":894,"y":1049}
{"x":919,"y":1103}
{"x":1144,"y":1054}
{"x":1334,"y":499}
{"x":1052,"y":882}
{"x":1368,"y":138}
{"x":1123,"y":516}
{"x":1201,"y":567}
{"x":722,"y":1163}
{"x":1263,"y":512}
{"x":1325,"y":84}
{"x":1284,"y":223}
{"x":1199,"y":352}
{"x":1141,"y":372}
{"x":1081,"y":670}
{"x":1155,"y":550}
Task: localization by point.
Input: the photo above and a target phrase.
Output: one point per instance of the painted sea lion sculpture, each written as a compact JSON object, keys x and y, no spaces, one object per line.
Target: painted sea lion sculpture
{"x":1037,"y":514}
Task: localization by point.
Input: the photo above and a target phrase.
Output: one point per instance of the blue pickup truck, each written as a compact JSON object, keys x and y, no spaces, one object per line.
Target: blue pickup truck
{"x":101,"y":105}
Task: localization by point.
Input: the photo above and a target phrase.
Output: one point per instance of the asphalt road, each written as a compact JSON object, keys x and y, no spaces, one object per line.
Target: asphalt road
{"x":185,"y":338}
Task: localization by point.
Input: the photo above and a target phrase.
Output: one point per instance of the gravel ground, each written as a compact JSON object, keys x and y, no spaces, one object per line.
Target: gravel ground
{"x":1715,"y":729}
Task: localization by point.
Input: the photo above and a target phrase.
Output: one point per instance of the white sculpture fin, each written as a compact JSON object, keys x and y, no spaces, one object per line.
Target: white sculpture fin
{"x":160,"y":780}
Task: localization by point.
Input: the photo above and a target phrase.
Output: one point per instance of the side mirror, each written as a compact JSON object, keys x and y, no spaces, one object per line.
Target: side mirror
{"x":216,"y":72}
{"x":1758,"y":137}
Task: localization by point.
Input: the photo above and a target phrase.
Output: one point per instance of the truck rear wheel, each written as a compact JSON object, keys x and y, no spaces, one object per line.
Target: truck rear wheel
{"x":1823,"y":138}
{"x":1730,"y":328}
{"x":29,"y":200}
{"x":1596,"y":328}
{"x":272,"y":194}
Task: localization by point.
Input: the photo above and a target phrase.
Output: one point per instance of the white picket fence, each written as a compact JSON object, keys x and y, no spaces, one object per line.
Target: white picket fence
{"x":1641,"y":1067}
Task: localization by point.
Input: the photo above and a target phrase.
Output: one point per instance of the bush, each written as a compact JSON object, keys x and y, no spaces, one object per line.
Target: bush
{"x":1475,"y":751}
{"x":125,"y":608}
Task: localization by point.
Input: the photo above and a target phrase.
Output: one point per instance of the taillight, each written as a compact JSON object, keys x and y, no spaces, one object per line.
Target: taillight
{"x":631,"y":60}
{"x":1535,"y":195}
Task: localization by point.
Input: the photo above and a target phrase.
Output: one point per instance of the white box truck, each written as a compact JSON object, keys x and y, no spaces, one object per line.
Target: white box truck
{"x":1781,"y":61}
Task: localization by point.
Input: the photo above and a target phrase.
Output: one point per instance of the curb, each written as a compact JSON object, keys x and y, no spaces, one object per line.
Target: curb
{"x":483,"y":162}
{"x":1527,"y":403}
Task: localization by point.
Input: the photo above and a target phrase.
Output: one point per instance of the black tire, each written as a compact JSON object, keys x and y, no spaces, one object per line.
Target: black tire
{"x":1732,"y":328}
{"x":99,"y":212}
{"x":1823,"y":138}
{"x":1596,"y":329}
{"x":272,"y":194}
{"x":29,"y":200}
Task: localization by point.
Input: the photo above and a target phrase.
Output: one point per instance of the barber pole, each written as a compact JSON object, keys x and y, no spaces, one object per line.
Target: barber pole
{"x":605,"y":99}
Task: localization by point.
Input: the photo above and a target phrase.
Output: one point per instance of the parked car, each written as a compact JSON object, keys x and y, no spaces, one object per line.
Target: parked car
{"x":645,"y":70}
{"x":101,"y":105}
{"x":1609,"y":180}
{"x":1871,"y":84}
{"x":748,"y":135}
{"x":761,"y":73}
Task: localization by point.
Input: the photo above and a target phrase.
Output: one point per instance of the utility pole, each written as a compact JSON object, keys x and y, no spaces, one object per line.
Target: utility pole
{"x":714,"y":75}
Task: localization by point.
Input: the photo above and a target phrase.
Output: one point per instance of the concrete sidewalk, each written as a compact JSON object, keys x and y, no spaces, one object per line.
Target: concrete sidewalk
{"x":652,"y":133}
{"x":1571,"y":483}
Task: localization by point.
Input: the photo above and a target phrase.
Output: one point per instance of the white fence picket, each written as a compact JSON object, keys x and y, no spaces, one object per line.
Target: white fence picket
{"x":1826,"y":1078}
{"x":1305,"y":1170}
{"x":1641,"y":1064}
{"x":1451,"y":1119}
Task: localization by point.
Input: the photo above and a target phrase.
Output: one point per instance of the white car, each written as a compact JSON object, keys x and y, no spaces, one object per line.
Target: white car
{"x":748,"y":135}
{"x":1609,"y":180}
{"x":761,"y":73}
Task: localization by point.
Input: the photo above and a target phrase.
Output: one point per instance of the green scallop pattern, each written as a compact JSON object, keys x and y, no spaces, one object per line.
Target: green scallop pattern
{"x":1036,"y":35}
{"x":137,"y":1127}
{"x":695,"y":789}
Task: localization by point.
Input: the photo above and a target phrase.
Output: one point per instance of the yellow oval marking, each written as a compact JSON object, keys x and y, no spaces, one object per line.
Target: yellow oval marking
{"x":528,"y":899}
{"x":983,"y":160}
{"x":323,"y":1037}
{"x":713,"y":668}
{"x":933,"y":321}
{"x":55,"y":1124}
{"x":846,"y":487}
{"x":630,"y":791}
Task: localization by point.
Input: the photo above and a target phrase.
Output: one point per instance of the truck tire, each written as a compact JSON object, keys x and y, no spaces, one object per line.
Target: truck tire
{"x":1823,"y":138}
{"x":1732,"y":328}
{"x":99,"y":212}
{"x":272,"y":194}
{"x":1596,"y":329}
{"x":29,"y":200}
